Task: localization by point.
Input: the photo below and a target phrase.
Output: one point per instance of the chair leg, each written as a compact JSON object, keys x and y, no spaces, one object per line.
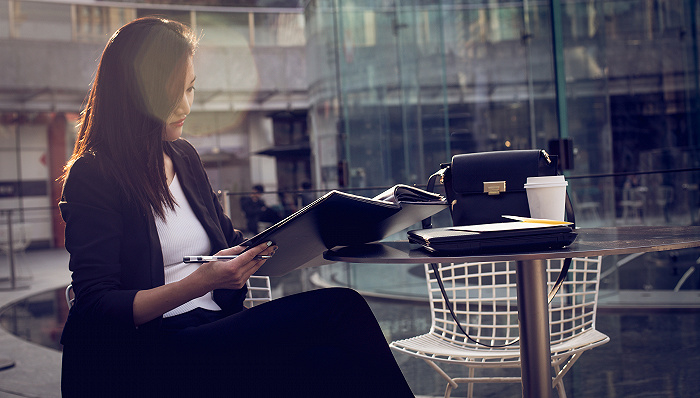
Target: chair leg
{"x":451,"y":384}
{"x":560,"y":389}
{"x":560,"y":371}
{"x":470,"y":388}
{"x":448,"y":390}
{"x":561,"y":392}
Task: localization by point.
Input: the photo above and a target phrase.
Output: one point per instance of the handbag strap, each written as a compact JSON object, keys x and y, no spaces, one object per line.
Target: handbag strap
{"x":567,"y":261}
{"x":436,"y":272}
{"x":427,"y":222}
{"x":550,"y":297}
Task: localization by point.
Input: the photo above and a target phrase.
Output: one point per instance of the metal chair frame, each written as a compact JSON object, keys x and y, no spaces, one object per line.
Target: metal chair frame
{"x":483,"y":296}
{"x":259,"y":291}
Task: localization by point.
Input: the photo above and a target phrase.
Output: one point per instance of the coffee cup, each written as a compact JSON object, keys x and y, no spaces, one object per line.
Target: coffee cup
{"x":546,"y":197}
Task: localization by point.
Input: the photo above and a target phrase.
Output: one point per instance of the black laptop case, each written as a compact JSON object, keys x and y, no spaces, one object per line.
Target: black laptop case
{"x":495,"y":238}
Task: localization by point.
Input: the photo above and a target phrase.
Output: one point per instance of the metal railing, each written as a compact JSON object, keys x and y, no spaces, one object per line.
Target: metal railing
{"x":17,"y":232}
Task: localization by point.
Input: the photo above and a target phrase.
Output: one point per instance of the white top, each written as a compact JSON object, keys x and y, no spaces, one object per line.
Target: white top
{"x":181,"y":234}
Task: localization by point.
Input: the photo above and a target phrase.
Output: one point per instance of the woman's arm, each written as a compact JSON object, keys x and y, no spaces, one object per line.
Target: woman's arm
{"x":93,"y":210}
{"x":233,"y":274}
{"x":111,"y":256}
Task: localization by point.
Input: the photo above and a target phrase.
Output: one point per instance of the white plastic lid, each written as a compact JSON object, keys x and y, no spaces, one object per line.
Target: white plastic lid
{"x":565,"y":184}
{"x":546,"y":180}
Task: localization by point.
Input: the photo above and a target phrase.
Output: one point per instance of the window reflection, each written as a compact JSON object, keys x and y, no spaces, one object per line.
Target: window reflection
{"x":38,"y":319}
{"x":34,"y":20}
{"x":96,"y":23}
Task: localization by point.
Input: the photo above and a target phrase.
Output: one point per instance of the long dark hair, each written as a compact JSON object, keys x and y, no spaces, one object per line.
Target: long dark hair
{"x":138,"y":84}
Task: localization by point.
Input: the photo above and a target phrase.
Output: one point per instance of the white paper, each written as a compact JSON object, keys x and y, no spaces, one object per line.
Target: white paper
{"x":502,"y":226}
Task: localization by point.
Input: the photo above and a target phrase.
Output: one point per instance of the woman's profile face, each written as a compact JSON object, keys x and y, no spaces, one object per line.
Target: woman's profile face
{"x":176,"y":120}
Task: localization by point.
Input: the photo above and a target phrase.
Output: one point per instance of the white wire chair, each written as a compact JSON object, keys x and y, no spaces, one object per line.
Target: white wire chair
{"x":259,"y":291}
{"x":483,"y":297}
{"x":70,"y":296}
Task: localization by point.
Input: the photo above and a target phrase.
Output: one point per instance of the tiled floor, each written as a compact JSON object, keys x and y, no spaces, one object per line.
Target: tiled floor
{"x":655,"y":354}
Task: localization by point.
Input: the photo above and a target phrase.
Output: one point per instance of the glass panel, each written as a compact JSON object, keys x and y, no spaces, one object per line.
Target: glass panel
{"x":652,"y":110}
{"x":279,"y":29}
{"x":35,"y":20}
{"x":588,"y":113}
{"x":176,"y":15}
{"x":4,"y":19}
{"x":97,"y":24}
{"x":223,"y":29}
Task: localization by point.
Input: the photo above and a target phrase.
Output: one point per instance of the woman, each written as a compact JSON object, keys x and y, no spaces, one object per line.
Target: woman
{"x":135,"y":200}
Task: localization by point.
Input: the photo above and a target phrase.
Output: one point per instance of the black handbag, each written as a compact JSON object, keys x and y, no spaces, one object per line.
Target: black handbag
{"x":482,"y":187}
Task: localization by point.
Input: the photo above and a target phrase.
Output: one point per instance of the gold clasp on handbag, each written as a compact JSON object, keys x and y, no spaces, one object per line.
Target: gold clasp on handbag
{"x":494,"y":187}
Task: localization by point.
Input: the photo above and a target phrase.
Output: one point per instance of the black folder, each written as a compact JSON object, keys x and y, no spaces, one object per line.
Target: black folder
{"x":493,"y":238}
{"x":342,"y":219}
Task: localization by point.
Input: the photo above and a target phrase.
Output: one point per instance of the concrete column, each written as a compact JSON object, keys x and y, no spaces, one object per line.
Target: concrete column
{"x":57,"y":158}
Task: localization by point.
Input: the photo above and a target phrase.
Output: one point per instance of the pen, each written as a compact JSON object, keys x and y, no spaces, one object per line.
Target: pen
{"x":206,"y":259}
{"x":537,"y":220}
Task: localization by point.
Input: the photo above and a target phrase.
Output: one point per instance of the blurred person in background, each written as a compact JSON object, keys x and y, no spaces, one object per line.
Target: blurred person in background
{"x":256,"y":210}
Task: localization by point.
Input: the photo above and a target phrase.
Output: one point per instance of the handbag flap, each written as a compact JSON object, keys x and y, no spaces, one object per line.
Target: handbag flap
{"x":512,"y":167}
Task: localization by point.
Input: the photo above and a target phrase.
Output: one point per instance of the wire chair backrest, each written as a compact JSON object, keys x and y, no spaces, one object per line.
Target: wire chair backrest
{"x":259,"y":291}
{"x":483,"y":297}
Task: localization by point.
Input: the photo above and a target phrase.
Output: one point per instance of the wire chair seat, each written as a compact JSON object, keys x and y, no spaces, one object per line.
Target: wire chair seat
{"x":484,"y":300}
{"x":434,"y":347}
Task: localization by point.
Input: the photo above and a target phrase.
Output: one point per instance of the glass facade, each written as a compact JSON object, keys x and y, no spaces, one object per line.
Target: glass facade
{"x":398,"y":87}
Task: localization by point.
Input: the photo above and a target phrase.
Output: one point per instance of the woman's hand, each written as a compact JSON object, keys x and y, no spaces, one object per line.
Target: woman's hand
{"x":233,"y":274}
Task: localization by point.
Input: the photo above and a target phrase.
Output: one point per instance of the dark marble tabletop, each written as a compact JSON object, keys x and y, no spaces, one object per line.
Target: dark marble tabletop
{"x":590,"y":242}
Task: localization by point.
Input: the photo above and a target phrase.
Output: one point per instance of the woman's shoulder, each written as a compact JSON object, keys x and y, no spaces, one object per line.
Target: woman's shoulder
{"x":86,"y":165}
{"x":185,"y":150}
{"x":86,"y":175}
{"x":184,"y":146}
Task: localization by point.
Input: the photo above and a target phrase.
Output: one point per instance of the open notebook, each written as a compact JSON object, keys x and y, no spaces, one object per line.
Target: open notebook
{"x":343,"y":219}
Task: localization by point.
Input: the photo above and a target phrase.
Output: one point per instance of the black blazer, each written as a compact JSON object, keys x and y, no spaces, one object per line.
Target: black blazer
{"x":115,"y":251}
